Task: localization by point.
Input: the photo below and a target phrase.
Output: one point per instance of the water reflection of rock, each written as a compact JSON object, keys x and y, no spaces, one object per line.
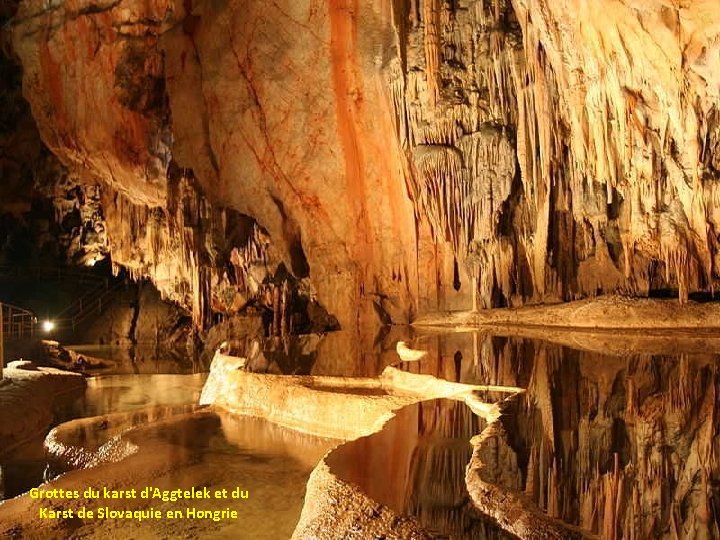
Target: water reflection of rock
{"x":625,"y":446}
{"x":338,"y":354}
{"x":615,"y":435}
{"x":416,"y":466}
{"x":27,"y":465}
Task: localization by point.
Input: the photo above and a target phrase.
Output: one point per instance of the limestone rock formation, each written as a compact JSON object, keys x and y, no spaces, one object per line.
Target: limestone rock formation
{"x":398,"y":157}
{"x":619,"y":446}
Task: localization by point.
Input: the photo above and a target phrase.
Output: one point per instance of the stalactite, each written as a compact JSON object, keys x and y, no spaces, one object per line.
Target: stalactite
{"x":171,"y":246}
{"x":285,"y":309}
{"x":276,"y":329}
{"x":431,"y":22}
{"x":589,"y":143}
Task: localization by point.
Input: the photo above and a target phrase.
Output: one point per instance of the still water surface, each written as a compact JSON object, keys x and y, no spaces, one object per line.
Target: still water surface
{"x":617,"y":434}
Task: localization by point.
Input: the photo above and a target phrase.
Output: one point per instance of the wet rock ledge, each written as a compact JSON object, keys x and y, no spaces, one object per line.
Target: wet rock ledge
{"x":27,"y":396}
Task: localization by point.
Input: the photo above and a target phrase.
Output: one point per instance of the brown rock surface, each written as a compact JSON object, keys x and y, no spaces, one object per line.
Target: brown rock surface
{"x":403,"y":157}
{"x":337,"y":507}
{"x":27,"y":397}
{"x":662,"y":317}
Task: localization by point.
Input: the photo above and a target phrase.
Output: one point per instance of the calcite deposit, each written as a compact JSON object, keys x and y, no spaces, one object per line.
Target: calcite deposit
{"x":27,"y":397}
{"x":383,"y":159}
{"x":577,"y":443}
{"x":484,"y":436}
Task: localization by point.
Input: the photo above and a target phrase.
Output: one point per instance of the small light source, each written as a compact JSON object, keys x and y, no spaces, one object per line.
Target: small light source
{"x":48,"y":326}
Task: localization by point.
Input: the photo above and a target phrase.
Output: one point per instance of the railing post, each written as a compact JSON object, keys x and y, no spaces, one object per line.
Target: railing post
{"x":2,"y":341}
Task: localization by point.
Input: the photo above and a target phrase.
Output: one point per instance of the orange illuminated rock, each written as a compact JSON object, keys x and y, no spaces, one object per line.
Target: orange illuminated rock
{"x":401,"y":157}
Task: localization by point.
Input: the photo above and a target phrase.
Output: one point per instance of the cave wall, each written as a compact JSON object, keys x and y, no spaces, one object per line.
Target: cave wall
{"x":401,"y":157}
{"x":47,"y":217}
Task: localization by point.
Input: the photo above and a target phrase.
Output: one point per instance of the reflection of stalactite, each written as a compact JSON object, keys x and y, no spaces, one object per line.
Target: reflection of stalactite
{"x":612,"y":496}
{"x":600,"y":441}
{"x":631,"y":403}
{"x":606,"y":446}
{"x":553,"y":503}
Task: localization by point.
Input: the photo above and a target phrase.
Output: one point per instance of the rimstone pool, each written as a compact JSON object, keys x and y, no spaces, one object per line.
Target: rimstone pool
{"x":486,"y":436}
{"x":234,"y":469}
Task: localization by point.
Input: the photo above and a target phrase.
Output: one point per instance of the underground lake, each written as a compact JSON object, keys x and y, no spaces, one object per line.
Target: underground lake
{"x":360,"y":269}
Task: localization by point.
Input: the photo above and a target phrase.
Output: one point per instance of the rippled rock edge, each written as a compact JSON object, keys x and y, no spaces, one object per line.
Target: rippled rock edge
{"x":111,"y":446}
{"x":334,"y":507}
{"x":513,"y":511}
{"x":327,"y":407}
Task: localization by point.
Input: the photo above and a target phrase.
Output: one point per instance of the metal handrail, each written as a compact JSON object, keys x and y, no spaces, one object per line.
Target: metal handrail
{"x":86,"y":299}
{"x":17,"y":322}
{"x":88,"y":307}
{"x":77,"y":274}
{"x":71,"y":316}
{"x":14,"y":322}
